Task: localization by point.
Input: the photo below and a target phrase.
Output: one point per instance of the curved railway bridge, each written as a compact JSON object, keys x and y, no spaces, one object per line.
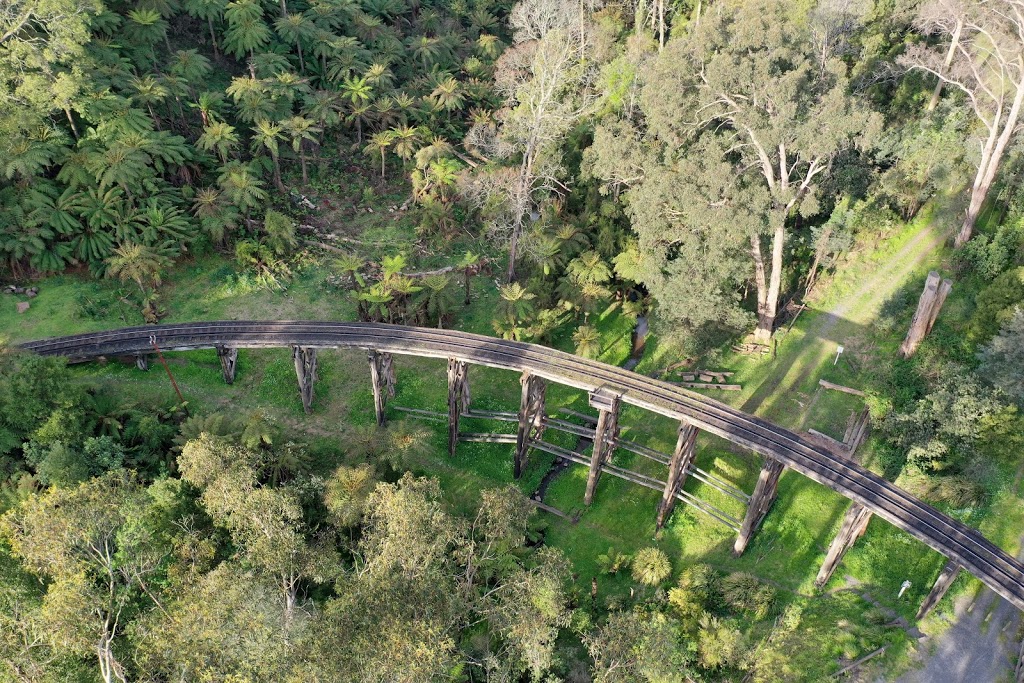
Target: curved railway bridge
{"x":608,"y":386}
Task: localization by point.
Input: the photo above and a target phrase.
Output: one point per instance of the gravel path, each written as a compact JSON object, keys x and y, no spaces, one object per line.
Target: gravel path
{"x":980,"y":647}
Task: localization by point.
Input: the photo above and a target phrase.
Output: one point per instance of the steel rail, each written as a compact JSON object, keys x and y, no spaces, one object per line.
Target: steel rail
{"x":966,"y":546}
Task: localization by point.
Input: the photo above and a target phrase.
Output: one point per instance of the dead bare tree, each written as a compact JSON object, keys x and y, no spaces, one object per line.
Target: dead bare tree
{"x":985,"y":61}
{"x":545,"y":83}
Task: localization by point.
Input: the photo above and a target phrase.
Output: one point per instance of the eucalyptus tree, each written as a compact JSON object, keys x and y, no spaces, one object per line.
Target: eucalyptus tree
{"x":741,"y":125}
{"x":545,"y":84}
{"x":96,"y":558}
{"x":43,"y":58}
{"x":985,"y":62}
{"x":266,"y":522}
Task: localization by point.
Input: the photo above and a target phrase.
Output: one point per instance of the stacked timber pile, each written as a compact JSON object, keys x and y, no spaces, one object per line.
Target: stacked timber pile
{"x":752,"y":348}
{"x":928,"y":307}
{"x":707,"y":379}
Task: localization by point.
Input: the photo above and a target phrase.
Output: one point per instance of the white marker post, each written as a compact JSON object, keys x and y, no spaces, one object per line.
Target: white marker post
{"x":903,"y":589}
{"x":839,"y":352}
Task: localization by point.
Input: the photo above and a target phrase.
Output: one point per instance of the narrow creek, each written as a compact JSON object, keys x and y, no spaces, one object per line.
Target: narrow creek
{"x":639,"y":339}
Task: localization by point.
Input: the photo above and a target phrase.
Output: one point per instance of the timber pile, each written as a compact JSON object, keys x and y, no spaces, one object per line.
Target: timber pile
{"x":928,"y":307}
{"x":857,"y":430}
{"x":750,"y":348}
{"x":707,"y":379}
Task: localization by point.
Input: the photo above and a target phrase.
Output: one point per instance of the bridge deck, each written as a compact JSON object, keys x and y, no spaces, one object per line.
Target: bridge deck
{"x":964,"y":545}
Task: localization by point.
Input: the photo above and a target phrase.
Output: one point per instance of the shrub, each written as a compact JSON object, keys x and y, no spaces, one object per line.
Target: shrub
{"x":651,"y":566}
{"x":995,"y":305}
{"x":745,"y":593}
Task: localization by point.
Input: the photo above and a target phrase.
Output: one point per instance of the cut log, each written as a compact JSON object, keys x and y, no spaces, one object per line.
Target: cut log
{"x":840,"y":387}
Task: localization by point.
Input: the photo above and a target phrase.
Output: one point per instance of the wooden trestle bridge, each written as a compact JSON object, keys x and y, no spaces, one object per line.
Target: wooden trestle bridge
{"x":609,"y":387}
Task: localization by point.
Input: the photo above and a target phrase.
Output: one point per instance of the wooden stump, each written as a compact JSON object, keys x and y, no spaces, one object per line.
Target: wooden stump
{"x":228,"y":362}
{"x":605,"y":435}
{"x":142,"y":361}
{"x":760,"y":502}
{"x":928,"y":307}
{"x":531,"y":418}
{"x":855,"y":523}
{"x":939,"y":588}
{"x":305,"y":371}
{"x":681,"y":460}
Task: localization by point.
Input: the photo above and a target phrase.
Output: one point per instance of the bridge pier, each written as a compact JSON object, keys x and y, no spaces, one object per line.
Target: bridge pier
{"x":681,"y":460}
{"x":382,"y":377}
{"x":305,"y":371}
{"x":458,"y":399}
{"x":142,"y":361}
{"x":228,"y":357}
{"x":760,"y":502}
{"x":605,"y":434}
{"x":939,"y":588}
{"x":531,"y":418}
{"x":855,"y":523}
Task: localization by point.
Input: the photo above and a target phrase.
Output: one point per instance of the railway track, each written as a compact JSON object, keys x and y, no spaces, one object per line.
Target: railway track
{"x":964,"y":545}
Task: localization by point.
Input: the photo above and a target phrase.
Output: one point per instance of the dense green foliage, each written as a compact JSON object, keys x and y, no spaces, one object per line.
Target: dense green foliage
{"x":699,"y":163}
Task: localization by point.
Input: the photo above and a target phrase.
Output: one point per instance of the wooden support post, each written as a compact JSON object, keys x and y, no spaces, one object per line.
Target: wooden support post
{"x":681,"y":460}
{"x":142,"y":361}
{"x":305,"y":371}
{"x":458,"y":399}
{"x":939,"y":588}
{"x":855,"y":523}
{"x":928,"y":307}
{"x":532,"y":418}
{"x":605,"y":434}
{"x":382,"y":377}
{"x":228,"y":362}
{"x":760,"y":502}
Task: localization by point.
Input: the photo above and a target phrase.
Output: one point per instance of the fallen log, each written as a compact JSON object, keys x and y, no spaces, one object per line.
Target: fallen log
{"x":840,"y":387}
{"x":860,"y":661}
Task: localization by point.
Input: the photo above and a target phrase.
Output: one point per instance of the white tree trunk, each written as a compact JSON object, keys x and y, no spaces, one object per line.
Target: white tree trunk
{"x":991,"y":158}
{"x":768,"y":293}
{"x":946,"y":64}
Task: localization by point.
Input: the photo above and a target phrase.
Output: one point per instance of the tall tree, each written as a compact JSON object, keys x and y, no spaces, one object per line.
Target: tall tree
{"x":743,"y":120}
{"x":267,"y":135}
{"x":545,"y":84}
{"x":985,"y":61}
{"x":79,"y":540}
